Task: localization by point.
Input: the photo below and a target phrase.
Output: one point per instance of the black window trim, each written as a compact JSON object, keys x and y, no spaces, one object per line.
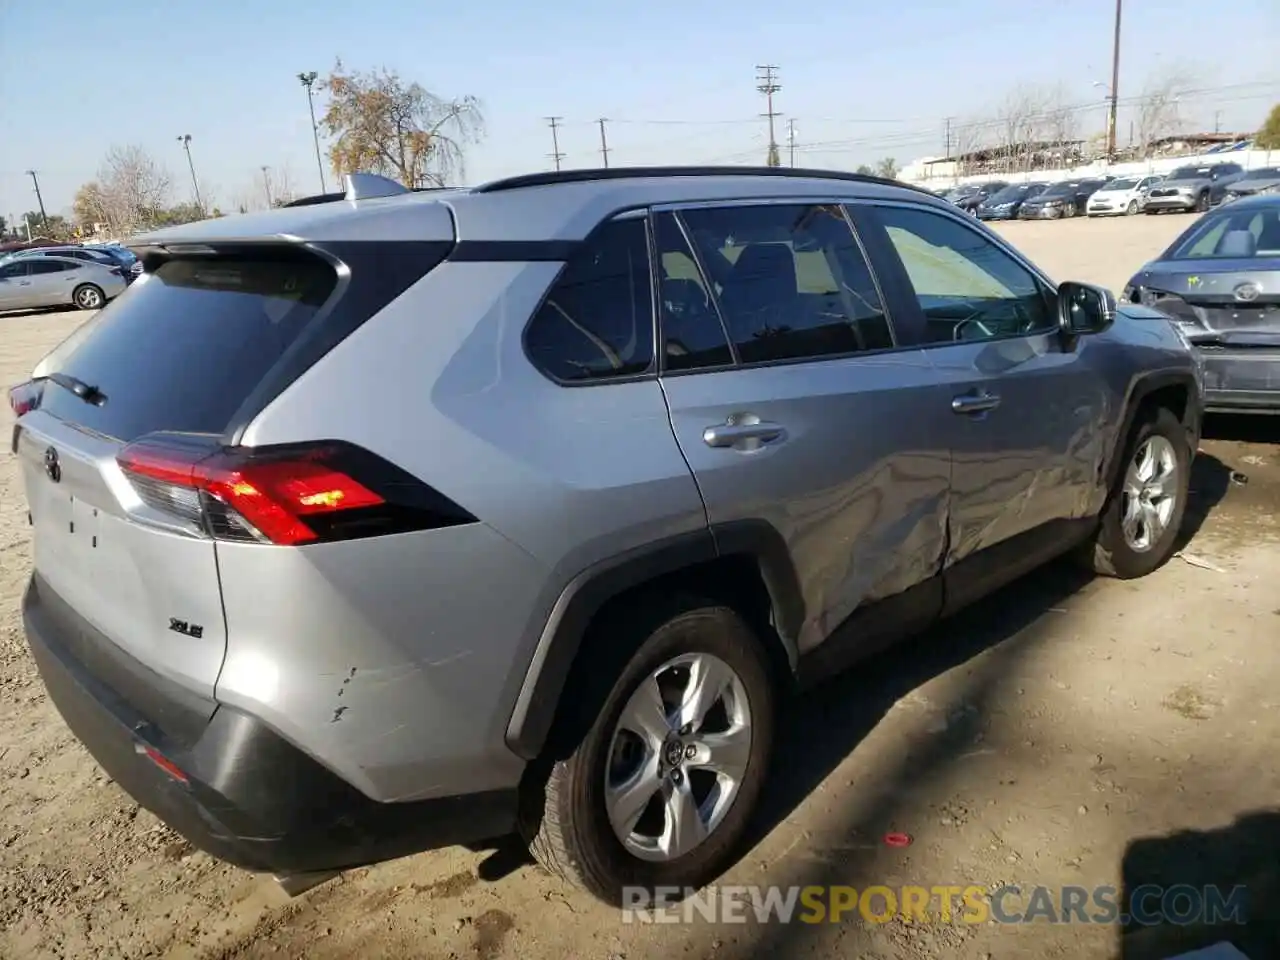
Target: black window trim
{"x":1050,"y":288}
{"x":785,"y":200}
{"x":735,"y":361}
{"x":651,"y":372}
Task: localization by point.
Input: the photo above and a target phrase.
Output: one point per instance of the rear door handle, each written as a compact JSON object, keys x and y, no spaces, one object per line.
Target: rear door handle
{"x":740,"y":434}
{"x":978,"y":401}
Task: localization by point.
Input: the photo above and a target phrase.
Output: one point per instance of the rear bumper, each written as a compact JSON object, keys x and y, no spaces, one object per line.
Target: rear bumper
{"x":234,"y":788}
{"x":1171,"y":203}
{"x":1241,"y":381}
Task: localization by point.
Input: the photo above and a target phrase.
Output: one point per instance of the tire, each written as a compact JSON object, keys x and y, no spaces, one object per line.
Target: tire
{"x":88,"y":296}
{"x":1132,"y":208}
{"x":1202,"y":202}
{"x":1115,"y":553}
{"x":569,"y":825}
{"x":1071,"y":211}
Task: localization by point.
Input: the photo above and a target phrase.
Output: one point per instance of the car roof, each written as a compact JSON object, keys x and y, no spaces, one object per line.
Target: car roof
{"x":546,"y":206}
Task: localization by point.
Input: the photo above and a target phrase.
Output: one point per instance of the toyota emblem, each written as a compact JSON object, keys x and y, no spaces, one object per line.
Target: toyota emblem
{"x":51,"y":465}
{"x":1247,"y":292}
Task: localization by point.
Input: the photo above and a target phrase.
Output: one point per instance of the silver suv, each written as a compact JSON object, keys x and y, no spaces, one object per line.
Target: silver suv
{"x":408,"y":519}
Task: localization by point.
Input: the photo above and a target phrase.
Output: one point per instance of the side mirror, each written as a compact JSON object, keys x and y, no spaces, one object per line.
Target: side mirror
{"x":1084,"y":308}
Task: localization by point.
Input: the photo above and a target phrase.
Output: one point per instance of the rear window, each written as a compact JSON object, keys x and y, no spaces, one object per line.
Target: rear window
{"x":185,"y":349}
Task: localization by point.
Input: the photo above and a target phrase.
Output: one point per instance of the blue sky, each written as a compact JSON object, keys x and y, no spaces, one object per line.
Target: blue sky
{"x":675,"y":78}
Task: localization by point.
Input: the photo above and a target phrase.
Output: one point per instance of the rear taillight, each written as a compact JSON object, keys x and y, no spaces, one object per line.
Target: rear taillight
{"x":25,"y":397}
{"x":288,"y":496}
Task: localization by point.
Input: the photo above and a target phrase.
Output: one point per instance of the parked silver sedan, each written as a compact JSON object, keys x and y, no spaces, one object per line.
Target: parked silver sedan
{"x":29,"y":282}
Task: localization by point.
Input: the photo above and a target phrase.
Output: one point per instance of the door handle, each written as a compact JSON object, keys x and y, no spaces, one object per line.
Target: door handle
{"x":979,"y":401}
{"x":740,"y":434}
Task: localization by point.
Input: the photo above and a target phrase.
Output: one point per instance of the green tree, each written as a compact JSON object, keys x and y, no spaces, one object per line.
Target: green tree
{"x":1268,"y":137}
{"x":55,"y":226}
{"x":381,"y":124}
{"x":864,"y":170}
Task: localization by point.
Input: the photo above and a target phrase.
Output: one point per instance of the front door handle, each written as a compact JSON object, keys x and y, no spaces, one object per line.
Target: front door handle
{"x":980,"y":401}
{"x":748,"y":435}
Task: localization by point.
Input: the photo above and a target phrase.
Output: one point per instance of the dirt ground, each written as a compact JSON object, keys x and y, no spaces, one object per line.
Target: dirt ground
{"x":1066,"y":731}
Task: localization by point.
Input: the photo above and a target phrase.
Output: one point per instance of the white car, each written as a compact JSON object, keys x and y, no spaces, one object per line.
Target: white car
{"x":1127,"y":195}
{"x":30,"y":282}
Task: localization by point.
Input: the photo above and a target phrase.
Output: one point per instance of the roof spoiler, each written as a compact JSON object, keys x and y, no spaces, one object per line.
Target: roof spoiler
{"x":360,"y":186}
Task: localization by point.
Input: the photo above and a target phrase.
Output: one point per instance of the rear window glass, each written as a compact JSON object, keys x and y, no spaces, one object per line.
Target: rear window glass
{"x":185,"y":349}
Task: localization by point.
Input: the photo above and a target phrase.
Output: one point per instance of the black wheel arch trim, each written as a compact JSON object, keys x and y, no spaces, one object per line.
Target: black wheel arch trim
{"x":566,"y":626}
{"x":1139,"y":391}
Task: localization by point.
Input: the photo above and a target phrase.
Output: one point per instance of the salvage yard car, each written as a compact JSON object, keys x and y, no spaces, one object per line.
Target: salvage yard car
{"x":1194,"y":188}
{"x":1220,"y":281}
{"x":652,"y":449}
{"x":1125,"y":195}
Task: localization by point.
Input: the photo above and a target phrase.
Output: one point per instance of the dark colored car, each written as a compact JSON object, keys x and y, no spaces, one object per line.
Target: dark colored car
{"x":1067,"y":198}
{"x":1005,"y":204}
{"x":1264,"y":180}
{"x":1197,"y":187}
{"x":1220,"y":280}
{"x":972,"y":195}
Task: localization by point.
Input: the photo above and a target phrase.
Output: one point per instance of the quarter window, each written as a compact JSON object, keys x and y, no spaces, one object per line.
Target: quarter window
{"x":790,"y":281}
{"x":597,"y":321}
{"x":967,"y":287}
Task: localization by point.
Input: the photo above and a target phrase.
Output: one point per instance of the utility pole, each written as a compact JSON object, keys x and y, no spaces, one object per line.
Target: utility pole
{"x":556,"y":155}
{"x":266,"y":185}
{"x":185,"y":140}
{"x":308,"y":80}
{"x":44,"y":220}
{"x":1115,"y":87}
{"x":947,"y":136}
{"x":1217,"y":121}
{"x":767,"y":83}
{"x":791,"y":140}
{"x":604,"y":144}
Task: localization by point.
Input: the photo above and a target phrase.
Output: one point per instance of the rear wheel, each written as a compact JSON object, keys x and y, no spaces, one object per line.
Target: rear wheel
{"x":670,"y":756}
{"x":1139,"y":527}
{"x":88,"y":297}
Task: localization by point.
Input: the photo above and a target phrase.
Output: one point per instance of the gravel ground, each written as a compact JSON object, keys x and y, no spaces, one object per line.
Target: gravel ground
{"x":1065,"y":731}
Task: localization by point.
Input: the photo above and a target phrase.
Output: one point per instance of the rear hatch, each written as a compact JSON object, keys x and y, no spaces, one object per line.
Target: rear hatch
{"x":109,"y":441}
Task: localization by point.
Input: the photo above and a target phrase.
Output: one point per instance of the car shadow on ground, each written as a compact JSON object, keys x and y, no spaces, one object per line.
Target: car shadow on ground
{"x":819,"y":730}
{"x":1221,"y":884}
{"x":1211,"y":481}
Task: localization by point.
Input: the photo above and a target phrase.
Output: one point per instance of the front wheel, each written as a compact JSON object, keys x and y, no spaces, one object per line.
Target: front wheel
{"x":669,"y":759}
{"x":1132,"y":208}
{"x":1202,"y":203}
{"x":1139,"y":527}
{"x":88,"y":297}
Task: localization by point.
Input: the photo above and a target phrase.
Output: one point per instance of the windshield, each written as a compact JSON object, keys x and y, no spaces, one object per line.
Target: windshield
{"x":1010,"y":193}
{"x":967,"y":190}
{"x":1059,"y":190}
{"x":1128,"y":183}
{"x":1263,"y":173}
{"x":1230,"y":234}
{"x":1190,"y":173}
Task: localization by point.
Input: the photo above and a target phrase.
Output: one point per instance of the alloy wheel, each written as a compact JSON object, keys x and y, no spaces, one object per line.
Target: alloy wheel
{"x":1150,"y":493}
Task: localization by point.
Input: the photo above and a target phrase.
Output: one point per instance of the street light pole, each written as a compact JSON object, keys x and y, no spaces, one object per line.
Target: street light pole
{"x":44,"y":220}
{"x":308,"y":80}
{"x":266,"y":185}
{"x":1115,"y":86}
{"x":185,"y":140}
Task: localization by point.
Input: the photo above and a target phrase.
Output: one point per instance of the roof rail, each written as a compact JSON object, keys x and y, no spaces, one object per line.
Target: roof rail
{"x":318,"y":198}
{"x":549,"y":178}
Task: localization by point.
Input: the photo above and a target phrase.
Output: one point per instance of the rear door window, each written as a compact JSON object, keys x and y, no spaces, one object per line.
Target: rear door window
{"x":184,"y":350}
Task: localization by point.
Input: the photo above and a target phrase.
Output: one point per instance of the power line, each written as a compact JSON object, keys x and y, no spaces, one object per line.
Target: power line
{"x":604,"y":143}
{"x":767,"y":83}
{"x":556,"y":155}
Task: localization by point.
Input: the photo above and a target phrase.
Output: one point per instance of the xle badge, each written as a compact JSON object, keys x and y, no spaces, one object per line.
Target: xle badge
{"x":185,"y":628}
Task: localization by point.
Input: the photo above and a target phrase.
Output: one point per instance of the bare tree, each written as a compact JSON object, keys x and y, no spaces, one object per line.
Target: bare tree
{"x":969,"y":137}
{"x":1019,"y":119}
{"x":1158,"y":104}
{"x":132,"y":189}
{"x":274,"y":187}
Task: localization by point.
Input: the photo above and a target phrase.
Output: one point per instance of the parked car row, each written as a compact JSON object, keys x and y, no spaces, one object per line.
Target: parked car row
{"x":1196,"y":187}
{"x":53,"y":276}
